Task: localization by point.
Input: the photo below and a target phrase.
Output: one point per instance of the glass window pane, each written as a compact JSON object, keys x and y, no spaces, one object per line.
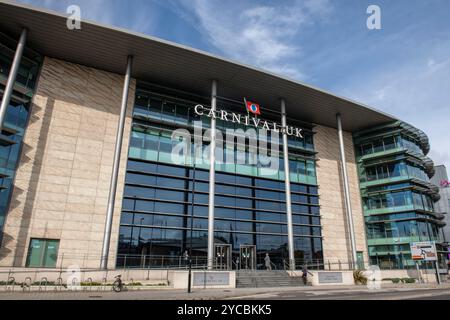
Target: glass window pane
{"x":167,"y":207}
{"x":389,"y":143}
{"x":51,"y":253}
{"x":378,"y":146}
{"x":35,"y":252}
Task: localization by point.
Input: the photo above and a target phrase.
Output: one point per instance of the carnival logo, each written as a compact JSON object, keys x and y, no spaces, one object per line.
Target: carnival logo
{"x":253,"y":107}
{"x":247,"y":120}
{"x":445,"y":183}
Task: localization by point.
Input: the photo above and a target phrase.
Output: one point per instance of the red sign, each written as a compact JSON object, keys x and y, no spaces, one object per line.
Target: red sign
{"x":445,"y":183}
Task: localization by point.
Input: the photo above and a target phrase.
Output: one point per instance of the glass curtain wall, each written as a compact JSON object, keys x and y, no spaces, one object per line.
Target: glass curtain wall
{"x":165,"y":206}
{"x":16,"y":118}
{"x":398,"y":199}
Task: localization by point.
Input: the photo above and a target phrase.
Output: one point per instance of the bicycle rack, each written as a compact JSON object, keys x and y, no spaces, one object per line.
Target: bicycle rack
{"x":44,"y":281}
{"x":26,"y":285}
{"x":59,"y":284}
{"x":89,"y":281}
{"x":74,"y":283}
{"x":11,"y":280}
{"x":131,"y":283}
{"x":104,"y":286}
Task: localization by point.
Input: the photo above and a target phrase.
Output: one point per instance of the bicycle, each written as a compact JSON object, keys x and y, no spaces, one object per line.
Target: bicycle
{"x":118,"y":284}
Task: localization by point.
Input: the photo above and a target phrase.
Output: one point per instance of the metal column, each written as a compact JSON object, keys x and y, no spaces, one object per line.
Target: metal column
{"x":348,"y":204}
{"x":12,"y":76}
{"x":116,"y":162}
{"x":212,"y":177}
{"x":287,"y":181}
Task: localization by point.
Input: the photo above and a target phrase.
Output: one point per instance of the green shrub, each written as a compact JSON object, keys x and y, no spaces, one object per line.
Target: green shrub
{"x":396,"y":280}
{"x":87,"y":284}
{"x":408,"y":280}
{"x":43,"y":283}
{"x":359,"y":277}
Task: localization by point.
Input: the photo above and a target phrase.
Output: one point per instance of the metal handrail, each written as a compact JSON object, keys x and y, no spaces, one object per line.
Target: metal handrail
{"x":103,"y":286}
{"x":59,"y":283}
{"x":89,"y":280}
{"x":11,"y":280}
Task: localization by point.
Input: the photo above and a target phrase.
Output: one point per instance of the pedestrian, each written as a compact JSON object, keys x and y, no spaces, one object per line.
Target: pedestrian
{"x":268,"y":262}
{"x":305,"y":274}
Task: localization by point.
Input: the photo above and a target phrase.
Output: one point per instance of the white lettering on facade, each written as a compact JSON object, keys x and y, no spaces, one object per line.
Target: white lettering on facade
{"x":236,"y":118}
{"x":224,"y":115}
{"x":256,"y":122}
{"x":197,"y":108}
{"x":212,"y":114}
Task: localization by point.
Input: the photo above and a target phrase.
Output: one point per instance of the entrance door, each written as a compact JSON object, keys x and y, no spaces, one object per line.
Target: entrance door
{"x":248,"y":257}
{"x":222,"y":256}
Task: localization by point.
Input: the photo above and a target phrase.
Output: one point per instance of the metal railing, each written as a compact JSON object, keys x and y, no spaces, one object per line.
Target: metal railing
{"x":159,"y":262}
{"x":180,"y":262}
{"x":199,"y":262}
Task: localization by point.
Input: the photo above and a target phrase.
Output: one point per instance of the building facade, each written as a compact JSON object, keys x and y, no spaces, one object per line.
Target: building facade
{"x":398,"y":196}
{"x":89,"y":176}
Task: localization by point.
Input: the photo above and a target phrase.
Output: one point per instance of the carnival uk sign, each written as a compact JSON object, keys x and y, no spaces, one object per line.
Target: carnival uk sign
{"x":248,"y":120}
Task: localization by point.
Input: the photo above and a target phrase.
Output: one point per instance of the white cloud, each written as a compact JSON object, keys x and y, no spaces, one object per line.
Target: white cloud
{"x":416,"y":92}
{"x":263,"y":35}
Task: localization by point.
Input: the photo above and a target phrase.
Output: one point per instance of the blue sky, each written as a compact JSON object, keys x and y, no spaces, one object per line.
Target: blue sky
{"x":403,"y":69}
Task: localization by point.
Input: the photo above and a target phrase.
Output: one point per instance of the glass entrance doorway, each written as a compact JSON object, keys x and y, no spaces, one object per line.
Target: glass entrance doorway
{"x":248,"y":257}
{"x":222,"y":256}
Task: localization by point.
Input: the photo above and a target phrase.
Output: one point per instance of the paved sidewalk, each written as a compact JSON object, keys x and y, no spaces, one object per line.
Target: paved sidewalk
{"x":212,"y":294}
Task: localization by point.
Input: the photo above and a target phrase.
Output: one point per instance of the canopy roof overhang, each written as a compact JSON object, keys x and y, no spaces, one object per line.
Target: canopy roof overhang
{"x":173,"y":65}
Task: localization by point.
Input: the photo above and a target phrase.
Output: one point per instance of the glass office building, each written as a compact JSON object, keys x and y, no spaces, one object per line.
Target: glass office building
{"x":165,"y":206}
{"x":88,"y":178}
{"x":398,"y":198}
